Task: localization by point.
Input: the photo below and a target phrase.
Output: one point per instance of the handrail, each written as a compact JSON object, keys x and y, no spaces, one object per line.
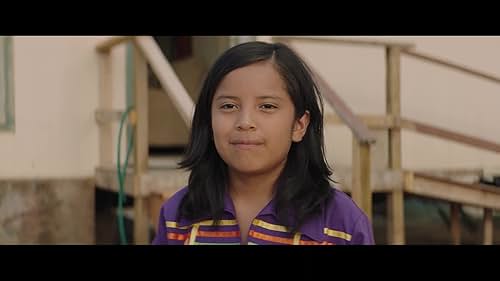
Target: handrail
{"x":449,"y":135}
{"x":450,"y":64}
{"x":109,"y":43}
{"x":476,"y":186}
{"x":388,"y":121}
{"x":372,"y":121}
{"x":161,"y":68}
{"x":167,"y":77}
{"x":406,"y":48}
{"x":358,"y":128}
{"x":361,"y":42}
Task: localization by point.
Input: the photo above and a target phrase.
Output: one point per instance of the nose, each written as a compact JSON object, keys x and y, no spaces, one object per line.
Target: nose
{"x":245,"y":121}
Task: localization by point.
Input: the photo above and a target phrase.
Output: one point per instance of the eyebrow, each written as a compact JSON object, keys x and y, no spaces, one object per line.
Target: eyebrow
{"x":259,"y":97}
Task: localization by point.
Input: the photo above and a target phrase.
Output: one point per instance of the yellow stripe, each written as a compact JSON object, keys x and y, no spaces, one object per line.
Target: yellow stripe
{"x":338,"y":234}
{"x":221,"y":222}
{"x":296,"y":238}
{"x":192,"y":237}
{"x":269,"y":226}
{"x":174,"y":224}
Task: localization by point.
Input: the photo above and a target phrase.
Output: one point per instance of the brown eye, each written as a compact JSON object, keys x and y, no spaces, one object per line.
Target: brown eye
{"x":268,"y":106}
{"x":228,"y":106}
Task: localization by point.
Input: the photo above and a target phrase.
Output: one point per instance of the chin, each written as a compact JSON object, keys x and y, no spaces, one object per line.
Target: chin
{"x":247,"y":169}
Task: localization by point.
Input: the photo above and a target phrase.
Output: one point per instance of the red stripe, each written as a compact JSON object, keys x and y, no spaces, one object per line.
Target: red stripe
{"x":303,"y":242}
{"x":176,"y":236}
{"x":282,"y":240}
{"x":218,"y":234}
{"x":270,"y":238}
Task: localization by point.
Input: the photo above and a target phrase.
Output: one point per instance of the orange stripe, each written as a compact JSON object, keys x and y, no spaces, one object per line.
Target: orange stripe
{"x":282,"y":240}
{"x":271,"y":238}
{"x":303,"y":242}
{"x":218,"y":234}
{"x":176,"y":236}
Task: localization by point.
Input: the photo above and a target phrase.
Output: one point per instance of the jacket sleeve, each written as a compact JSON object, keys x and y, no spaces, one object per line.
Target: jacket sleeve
{"x":363,"y":232}
{"x":161,"y":234}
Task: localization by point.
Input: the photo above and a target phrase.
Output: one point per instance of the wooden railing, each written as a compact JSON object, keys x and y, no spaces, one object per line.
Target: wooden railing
{"x":106,"y":46}
{"x":346,"y":41}
{"x":377,"y":122}
{"x":447,"y":63}
{"x":161,"y":68}
{"x":431,"y":130}
{"x":145,"y":51}
{"x":393,"y":123}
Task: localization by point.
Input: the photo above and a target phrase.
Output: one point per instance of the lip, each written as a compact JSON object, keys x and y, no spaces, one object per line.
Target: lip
{"x":246,"y":144}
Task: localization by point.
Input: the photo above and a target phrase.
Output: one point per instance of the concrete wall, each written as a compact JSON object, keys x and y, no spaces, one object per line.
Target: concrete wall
{"x":47,"y":211}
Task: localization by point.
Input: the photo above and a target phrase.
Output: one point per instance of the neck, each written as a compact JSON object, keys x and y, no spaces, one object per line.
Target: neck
{"x":254,"y":187}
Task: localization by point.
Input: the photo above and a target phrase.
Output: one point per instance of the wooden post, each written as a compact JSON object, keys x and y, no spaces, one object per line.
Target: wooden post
{"x":105,"y":103}
{"x":395,"y":199}
{"x":141,"y":147}
{"x":395,"y":218}
{"x":488,"y":227}
{"x":167,"y":77}
{"x":361,"y":173}
{"x":455,"y":223}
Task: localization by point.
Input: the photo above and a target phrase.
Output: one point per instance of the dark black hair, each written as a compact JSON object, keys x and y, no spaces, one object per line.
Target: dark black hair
{"x":303,"y":186}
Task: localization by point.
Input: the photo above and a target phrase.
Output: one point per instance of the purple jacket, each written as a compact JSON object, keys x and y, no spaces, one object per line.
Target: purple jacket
{"x":341,"y":222}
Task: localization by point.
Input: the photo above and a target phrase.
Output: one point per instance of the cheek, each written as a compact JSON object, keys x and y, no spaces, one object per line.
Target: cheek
{"x":281,"y":128}
{"x":279,"y":136}
{"x":220,"y":130}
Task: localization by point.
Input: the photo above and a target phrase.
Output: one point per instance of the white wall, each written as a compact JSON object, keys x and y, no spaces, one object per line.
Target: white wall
{"x":430,"y":93}
{"x":55,"y":89}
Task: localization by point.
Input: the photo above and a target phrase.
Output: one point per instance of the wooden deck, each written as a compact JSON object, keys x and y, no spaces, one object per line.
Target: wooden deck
{"x":163,"y":178}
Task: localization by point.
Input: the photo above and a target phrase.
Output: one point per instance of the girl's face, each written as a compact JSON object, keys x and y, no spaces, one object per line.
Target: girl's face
{"x":253,"y":120}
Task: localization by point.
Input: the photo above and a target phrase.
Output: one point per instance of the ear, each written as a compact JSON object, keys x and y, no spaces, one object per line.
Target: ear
{"x":300,"y":127}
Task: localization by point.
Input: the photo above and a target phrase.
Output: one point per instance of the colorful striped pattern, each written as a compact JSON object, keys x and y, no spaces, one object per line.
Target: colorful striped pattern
{"x":261,"y":232}
{"x":268,"y":233}
{"x":204,"y":233}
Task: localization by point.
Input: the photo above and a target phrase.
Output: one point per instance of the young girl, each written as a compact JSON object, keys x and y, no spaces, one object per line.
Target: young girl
{"x":256,"y":156}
